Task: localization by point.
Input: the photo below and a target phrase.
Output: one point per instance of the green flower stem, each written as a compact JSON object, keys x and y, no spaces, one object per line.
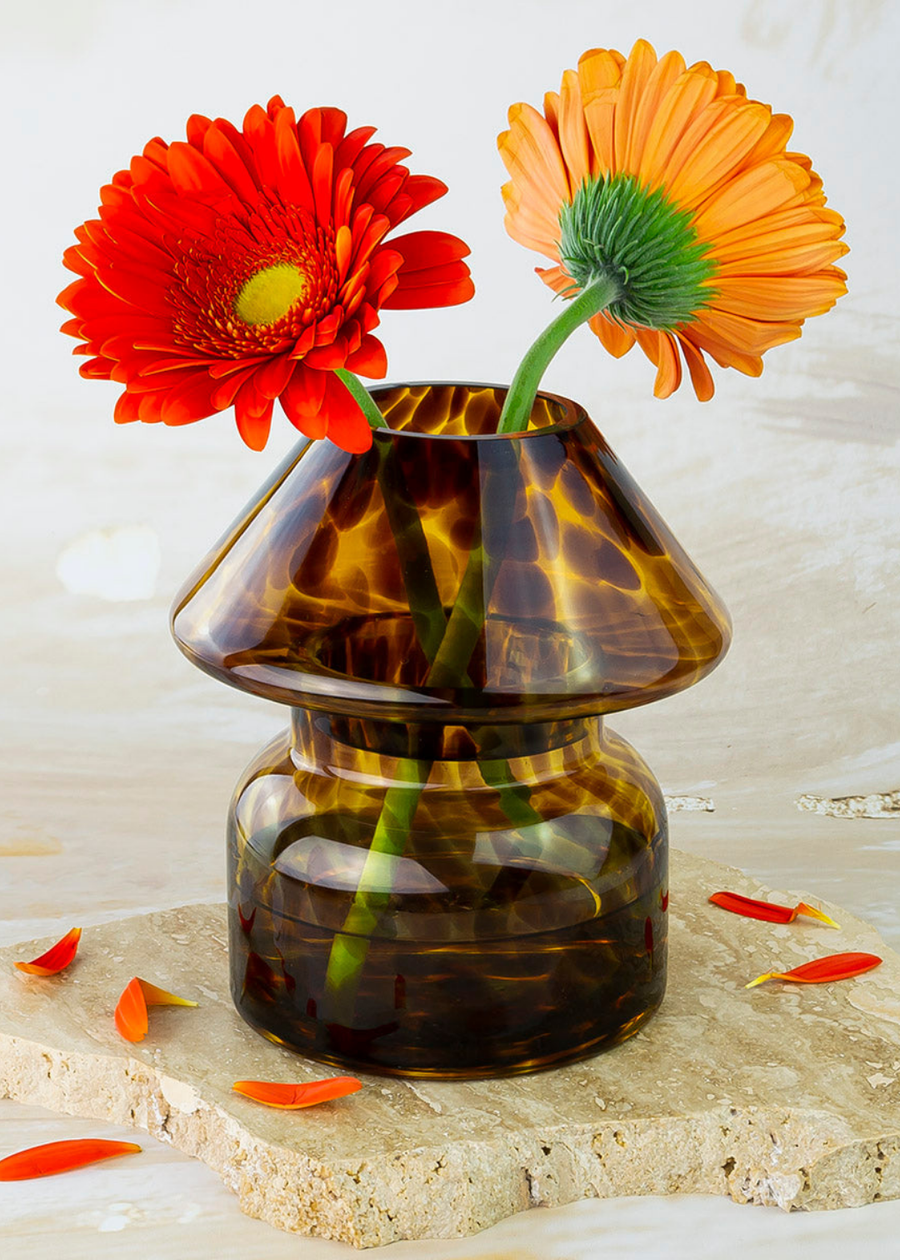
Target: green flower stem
{"x":350,"y":947}
{"x":520,"y":398}
{"x":425,"y":606}
{"x":448,"y":644}
{"x":367,"y":403}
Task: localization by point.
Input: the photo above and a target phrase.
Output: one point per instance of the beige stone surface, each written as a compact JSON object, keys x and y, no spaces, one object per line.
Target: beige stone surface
{"x":783,"y":1095}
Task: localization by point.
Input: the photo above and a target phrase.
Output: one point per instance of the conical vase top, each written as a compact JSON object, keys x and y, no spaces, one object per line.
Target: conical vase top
{"x":453,"y":574}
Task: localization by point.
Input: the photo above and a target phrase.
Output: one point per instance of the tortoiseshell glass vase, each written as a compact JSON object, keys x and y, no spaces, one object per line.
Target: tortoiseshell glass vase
{"x":448,"y":866}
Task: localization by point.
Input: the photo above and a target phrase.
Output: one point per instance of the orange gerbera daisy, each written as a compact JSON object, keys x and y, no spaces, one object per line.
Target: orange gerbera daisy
{"x":243,"y":266}
{"x":668,"y":181}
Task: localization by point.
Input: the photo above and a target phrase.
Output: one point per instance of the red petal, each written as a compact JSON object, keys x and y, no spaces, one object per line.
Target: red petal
{"x":57,"y":1157}
{"x":351,"y":146}
{"x":227,"y":162}
{"x":273,"y":376}
{"x":322,"y":175}
{"x":823,"y":970}
{"x":290,"y":1097}
{"x":328,"y":358}
{"x":302,"y":400}
{"x":381,"y":198}
{"x":369,"y":360}
{"x":332,"y":125}
{"x":348,"y":428}
{"x":190,"y":400}
{"x":127,"y":408}
{"x":194,"y":175}
{"x":259,"y":132}
{"x":253,"y":415}
{"x":767,"y":910}
{"x":451,"y":292}
{"x":56,"y":958}
{"x":752,"y":909}
{"x":196,"y":128}
{"x":423,"y":190}
{"x":293,"y":181}
{"x":429,"y":249}
{"x":227,"y":390}
{"x":377,"y":170}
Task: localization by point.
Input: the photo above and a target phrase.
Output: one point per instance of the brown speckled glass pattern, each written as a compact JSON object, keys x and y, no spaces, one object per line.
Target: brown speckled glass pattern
{"x":449,"y":616}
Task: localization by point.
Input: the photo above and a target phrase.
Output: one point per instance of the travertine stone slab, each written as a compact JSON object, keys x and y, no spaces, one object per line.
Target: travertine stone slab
{"x":786,"y":1095}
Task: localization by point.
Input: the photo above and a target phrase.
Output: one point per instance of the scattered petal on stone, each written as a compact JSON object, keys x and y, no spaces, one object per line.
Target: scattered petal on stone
{"x":57,"y":1157}
{"x":768,"y":911}
{"x":57,"y":957}
{"x":290,"y":1097}
{"x":823,"y":970}
{"x":131,"y":1010}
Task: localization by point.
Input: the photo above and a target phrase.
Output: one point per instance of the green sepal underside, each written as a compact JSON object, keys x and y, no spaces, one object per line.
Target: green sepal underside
{"x":618,"y":230}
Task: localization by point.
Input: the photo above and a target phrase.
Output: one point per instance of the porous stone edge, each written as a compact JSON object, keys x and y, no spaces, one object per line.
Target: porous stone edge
{"x":790,"y":1158}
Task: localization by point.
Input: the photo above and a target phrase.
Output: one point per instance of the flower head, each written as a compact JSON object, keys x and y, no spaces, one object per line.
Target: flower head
{"x":670,"y":181}
{"x":238,"y":267}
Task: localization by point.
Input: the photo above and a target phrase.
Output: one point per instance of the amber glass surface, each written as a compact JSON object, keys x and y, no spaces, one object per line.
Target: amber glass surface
{"x":520,"y":924}
{"x":447,"y":867}
{"x":322,"y":594}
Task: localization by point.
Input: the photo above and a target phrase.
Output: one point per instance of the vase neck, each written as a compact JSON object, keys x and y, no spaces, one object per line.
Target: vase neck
{"x":320,"y":736}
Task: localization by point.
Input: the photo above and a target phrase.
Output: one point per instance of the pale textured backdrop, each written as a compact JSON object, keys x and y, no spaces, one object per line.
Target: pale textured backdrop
{"x":118,"y":758}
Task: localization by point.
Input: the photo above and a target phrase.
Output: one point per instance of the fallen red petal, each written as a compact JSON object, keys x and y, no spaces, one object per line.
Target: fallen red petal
{"x":290,"y":1097}
{"x":57,"y":1157}
{"x":768,"y":911}
{"x":823,"y":970}
{"x":56,"y":958}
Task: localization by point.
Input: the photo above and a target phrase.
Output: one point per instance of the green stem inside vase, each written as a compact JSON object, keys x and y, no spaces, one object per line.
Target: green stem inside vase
{"x":448,"y":644}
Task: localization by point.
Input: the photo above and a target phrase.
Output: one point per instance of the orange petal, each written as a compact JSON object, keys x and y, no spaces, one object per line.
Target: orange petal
{"x":664,"y":75}
{"x":823,"y":970}
{"x":691,"y":92}
{"x":131,"y":1010}
{"x":636,"y":74}
{"x":615,"y":339}
{"x":600,"y":73}
{"x":154,"y":996}
{"x":57,"y":1157}
{"x":291,"y":1097}
{"x":701,"y":377}
{"x":56,"y":958}
{"x":812,"y":913}
{"x":573,"y":136}
{"x":531,"y":155}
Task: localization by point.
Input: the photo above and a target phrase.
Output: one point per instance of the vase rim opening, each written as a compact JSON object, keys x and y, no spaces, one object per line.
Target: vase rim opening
{"x":566,"y":413}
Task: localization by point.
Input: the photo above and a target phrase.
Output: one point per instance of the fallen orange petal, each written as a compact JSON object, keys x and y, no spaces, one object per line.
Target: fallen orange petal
{"x":813,"y":913}
{"x":131,"y":1010}
{"x":161,"y":997}
{"x":290,"y":1097}
{"x":57,"y":957}
{"x":768,"y":911}
{"x":822,"y":970}
{"x":57,"y":1157}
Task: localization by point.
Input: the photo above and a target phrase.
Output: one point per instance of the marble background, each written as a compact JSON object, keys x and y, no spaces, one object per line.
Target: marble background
{"x":118,"y":758}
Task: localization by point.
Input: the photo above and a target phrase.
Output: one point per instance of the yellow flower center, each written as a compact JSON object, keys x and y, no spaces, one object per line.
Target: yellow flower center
{"x":270,"y":293}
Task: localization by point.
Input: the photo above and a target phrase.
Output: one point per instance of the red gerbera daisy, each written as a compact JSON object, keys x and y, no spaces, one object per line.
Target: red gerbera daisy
{"x":244,"y":266}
